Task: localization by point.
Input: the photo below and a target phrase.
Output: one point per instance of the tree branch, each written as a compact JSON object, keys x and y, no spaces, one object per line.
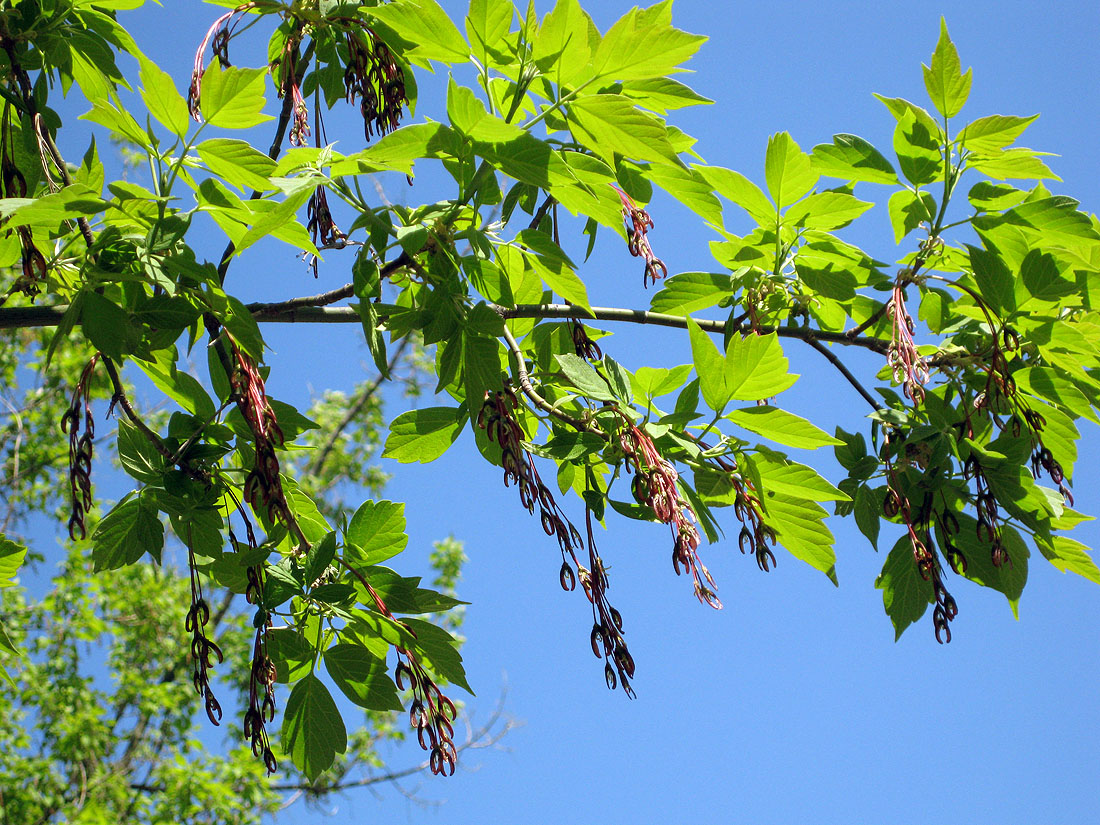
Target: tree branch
{"x":313,"y":310}
{"x":836,"y":362}
{"x":317,"y":464}
{"x":538,"y":400}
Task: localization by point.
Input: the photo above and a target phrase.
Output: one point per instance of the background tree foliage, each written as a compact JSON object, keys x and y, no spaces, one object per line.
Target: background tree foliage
{"x":966,"y":452}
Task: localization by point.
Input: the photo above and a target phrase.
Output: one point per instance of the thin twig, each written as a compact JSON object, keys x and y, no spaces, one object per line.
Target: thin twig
{"x":121,"y":400}
{"x":538,"y":400}
{"x":836,"y":362}
{"x":317,"y":464}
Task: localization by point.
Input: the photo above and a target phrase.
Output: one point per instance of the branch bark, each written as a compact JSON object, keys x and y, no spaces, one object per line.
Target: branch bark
{"x":314,"y":310}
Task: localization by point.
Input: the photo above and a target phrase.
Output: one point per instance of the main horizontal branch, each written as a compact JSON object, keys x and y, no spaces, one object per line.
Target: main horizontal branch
{"x":306,"y":311}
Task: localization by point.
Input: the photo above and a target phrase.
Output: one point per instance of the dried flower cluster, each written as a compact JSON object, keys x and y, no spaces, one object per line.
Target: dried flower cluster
{"x":14,"y":185}
{"x":322,"y":228}
{"x":263,"y":488}
{"x":497,"y":418}
{"x":638,"y":223}
{"x":1000,"y":397}
{"x":80,"y":450}
{"x":377,"y":80}
{"x":924,"y":555}
{"x":202,"y":647}
{"x":431,"y":713}
{"x":261,"y":680}
{"x":910,"y":370}
{"x":584,"y":346}
{"x":655,"y":484}
{"x":755,"y":534}
{"x":217,"y":38}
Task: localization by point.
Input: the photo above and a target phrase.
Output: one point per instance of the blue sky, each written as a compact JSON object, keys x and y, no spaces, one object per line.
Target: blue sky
{"x":793,"y":703}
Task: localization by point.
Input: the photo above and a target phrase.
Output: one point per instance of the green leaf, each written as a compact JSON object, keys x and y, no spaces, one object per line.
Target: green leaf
{"x":107,"y":326}
{"x":162,"y":99}
{"x":375,"y":533}
{"x":661,"y":94}
{"x":362,"y":677}
{"x":988,"y":134}
{"x":487,"y":23}
{"x":319,"y":557}
{"x":137,"y":455}
{"x":868,"y":513}
{"x":643,"y":43}
{"x":710,"y":367}
{"x":1008,"y":579}
{"x":690,"y":188}
{"x":12,"y":555}
{"x":424,"y":24}
{"x":800,"y":528}
{"x":919,"y":153}
{"x":562,"y":49}
{"x":437,"y":648}
{"x":233,"y":98}
{"x":1046,"y":383}
{"x":238,"y":163}
{"x":995,"y":283}
{"x":1070,"y":556}
{"x":423,"y":435}
{"x":690,"y":292}
{"x":787,"y":170}
{"x":583,"y":378}
{"x":781,"y":427}
{"x":782,"y":476}
{"x":826,"y":211}
{"x":905,"y":593}
{"x":946,"y":84}
{"x":993,"y":197}
{"x":128,"y":532}
{"x":852,"y":158}
{"x":742,"y":191}
{"x":908,"y":210}
{"x":313,"y":732}
{"x":292,"y":654}
{"x":181,"y":387}
{"x":1043,"y":279}
{"x":609,"y":124}
{"x":756,"y":368}
{"x":1011,"y":164}
{"x":652,"y":382}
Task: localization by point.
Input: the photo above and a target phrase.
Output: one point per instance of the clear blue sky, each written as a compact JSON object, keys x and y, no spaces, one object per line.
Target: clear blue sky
{"x":793,"y":704}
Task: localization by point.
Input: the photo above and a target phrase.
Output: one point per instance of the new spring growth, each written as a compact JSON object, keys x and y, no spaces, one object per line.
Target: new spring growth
{"x":638,"y":223}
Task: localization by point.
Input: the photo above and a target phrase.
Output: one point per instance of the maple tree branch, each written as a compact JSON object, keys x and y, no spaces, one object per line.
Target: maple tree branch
{"x":536,"y":399}
{"x":317,"y":464}
{"x":836,"y":362}
{"x":315,"y":310}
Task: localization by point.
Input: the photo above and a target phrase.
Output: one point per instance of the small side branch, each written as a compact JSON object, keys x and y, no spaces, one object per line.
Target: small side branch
{"x":836,"y":362}
{"x":538,"y":400}
{"x":121,"y":400}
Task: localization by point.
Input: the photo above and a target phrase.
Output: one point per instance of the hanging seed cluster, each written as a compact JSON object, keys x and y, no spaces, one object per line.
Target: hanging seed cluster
{"x":655,"y":485}
{"x":638,"y":223}
{"x":77,"y":421}
{"x":497,"y":418}
{"x":377,"y":80}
